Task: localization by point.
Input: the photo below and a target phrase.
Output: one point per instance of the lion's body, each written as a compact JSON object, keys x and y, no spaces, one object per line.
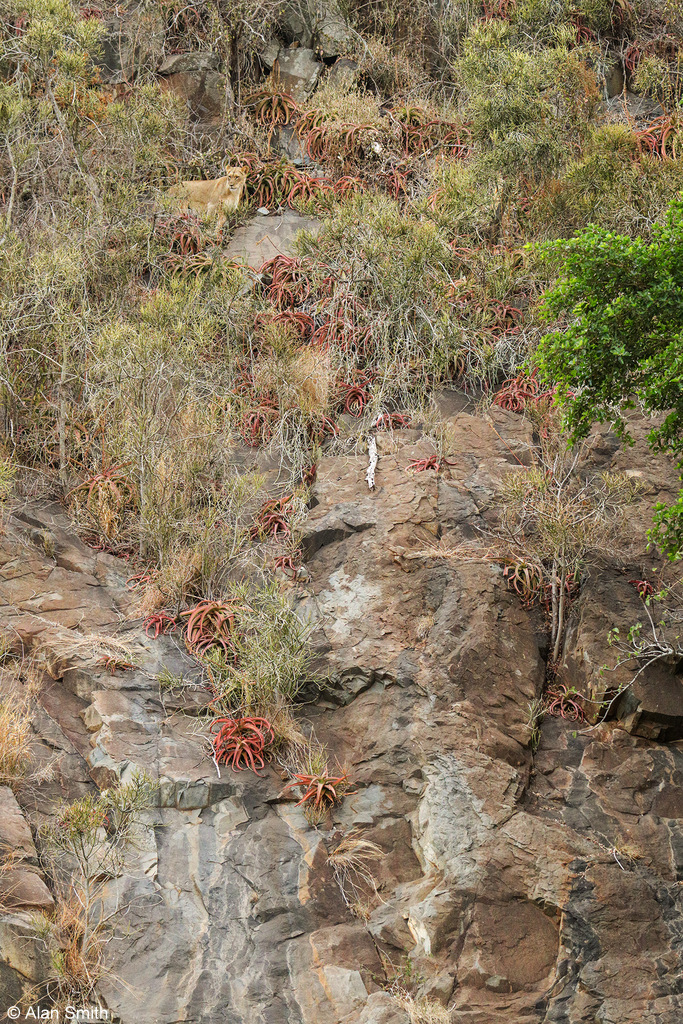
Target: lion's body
{"x":218,"y":195}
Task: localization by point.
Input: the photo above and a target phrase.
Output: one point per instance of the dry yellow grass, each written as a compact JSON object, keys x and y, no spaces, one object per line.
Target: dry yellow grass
{"x":77,"y":954}
{"x":423,"y":1011}
{"x":302,"y":378}
{"x":15,"y":742}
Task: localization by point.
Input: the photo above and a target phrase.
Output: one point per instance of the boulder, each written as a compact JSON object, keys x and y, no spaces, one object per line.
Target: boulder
{"x":521,"y":886}
{"x":332,"y":35}
{"x":15,"y":835}
{"x":119,"y":51}
{"x":326,"y":30}
{"x":269,"y":52}
{"x":296,"y":72}
{"x":189,"y":63}
{"x":651,"y":701}
{"x":343,"y":72}
{"x":381,"y":1008}
{"x":263,"y":237}
{"x":22,"y":884}
{"x":195,"y":78}
{"x":296,"y":25}
{"x":627,"y":106}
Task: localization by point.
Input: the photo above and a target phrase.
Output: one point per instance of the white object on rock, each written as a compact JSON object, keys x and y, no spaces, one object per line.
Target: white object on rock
{"x":372,"y":452}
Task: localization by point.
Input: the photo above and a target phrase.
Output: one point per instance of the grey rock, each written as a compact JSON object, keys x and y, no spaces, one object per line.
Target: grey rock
{"x":438,"y":989}
{"x":24,"y":958}
{"x":290,"y":145}
{"x":343,"y":72}
{"x":116,"y":52}
{"x":629,"y":105}
{"x":332,"y":35}
{"x":551,"y":894}
{"x":381,"y":1008}
{"x":22,"y":884}
{"x":189,"y":63}
{"x":259,"y":240}
{"x":119,"y":49}
{"x":15,"y":835}
{"x":323,"y":29}
{"x":205,"y":92}
{"x":269,"y":53}
{"x":296,"y":25}
{"x":297,"y":72}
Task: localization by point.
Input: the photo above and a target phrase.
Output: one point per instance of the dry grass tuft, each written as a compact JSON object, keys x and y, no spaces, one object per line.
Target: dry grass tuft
{"x":15,"y":742}
{"x":77,"y":954}
{"x":422,"y":1011}
{"x":350,"y":861}
{"x":90,"y":648}
{"x":311,"y":380}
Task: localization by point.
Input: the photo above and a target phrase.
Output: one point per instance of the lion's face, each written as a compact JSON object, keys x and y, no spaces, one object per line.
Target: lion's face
{"x":236,"y":178}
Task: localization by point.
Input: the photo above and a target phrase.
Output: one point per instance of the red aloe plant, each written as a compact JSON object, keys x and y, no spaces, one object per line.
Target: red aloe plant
{"x":212,"y":623}
{"x":562,"y":703}
{"x":433,"y":462}
{"x":161,"y":623}
{"x":241,"y":742}
{"x":307,"y":188}
{"x":303,"y":323}
{"x":114,"y":664}
{"x":140,"y":579}
{"x":520,"y":391}
{"x":273,"y":519}
{"x":644,"y":587}
{"x":288,"y":282}
{"x":525,"y":578}
{"x":321,"y":427}
{"x":355,"y":395}
{"x":256,"y":427}
{"x":111,"y":480}
{"x":273,"y":107}
{"x":288,"y":564}
{"x":308,"y":475}
{"x":390,"y":420}
{"x":321,"y":790}
{"x":347,"y":184}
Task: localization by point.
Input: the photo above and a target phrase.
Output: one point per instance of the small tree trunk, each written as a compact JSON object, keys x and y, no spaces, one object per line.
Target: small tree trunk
{"x":141,"y":543}
{"x":13,"y":190}
{"x":61,"y":415}
{"x":560,"y":612}
{"x":235,"y":68}
{"x":553,"y":628}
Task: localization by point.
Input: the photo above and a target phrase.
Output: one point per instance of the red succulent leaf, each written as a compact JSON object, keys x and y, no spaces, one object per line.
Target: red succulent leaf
{"x":241,"y":742}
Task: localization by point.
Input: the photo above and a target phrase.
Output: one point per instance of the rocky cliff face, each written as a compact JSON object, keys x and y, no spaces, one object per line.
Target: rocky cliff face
{"x":513,"y":886}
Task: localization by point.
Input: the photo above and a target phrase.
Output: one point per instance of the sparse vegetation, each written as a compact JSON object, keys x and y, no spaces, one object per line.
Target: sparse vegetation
{"x":555,"y":512}
{"x":15,"y":742}
{"x":83,"y":850}
{"x":352,"y":860}
{"x":475,"y":157}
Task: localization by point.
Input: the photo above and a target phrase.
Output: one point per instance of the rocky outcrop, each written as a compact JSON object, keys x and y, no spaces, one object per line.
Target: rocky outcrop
{"x":518,"y":886}
{"x":296,"y":71}
{"x":196,"y":78}
{"x":22,"y":884}
{"x":124,"y":28}
{"x":264,"y":237}
{"x":323,"y":29}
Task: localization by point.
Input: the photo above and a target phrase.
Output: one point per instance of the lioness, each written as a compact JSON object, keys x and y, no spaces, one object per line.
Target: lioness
{"x":220,"y":195}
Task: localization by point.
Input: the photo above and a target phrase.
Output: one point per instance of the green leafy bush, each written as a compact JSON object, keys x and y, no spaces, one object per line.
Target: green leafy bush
{"x":620,"y":343}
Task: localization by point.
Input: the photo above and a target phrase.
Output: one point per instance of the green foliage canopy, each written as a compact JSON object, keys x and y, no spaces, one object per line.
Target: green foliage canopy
{"x":622,"y":346}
